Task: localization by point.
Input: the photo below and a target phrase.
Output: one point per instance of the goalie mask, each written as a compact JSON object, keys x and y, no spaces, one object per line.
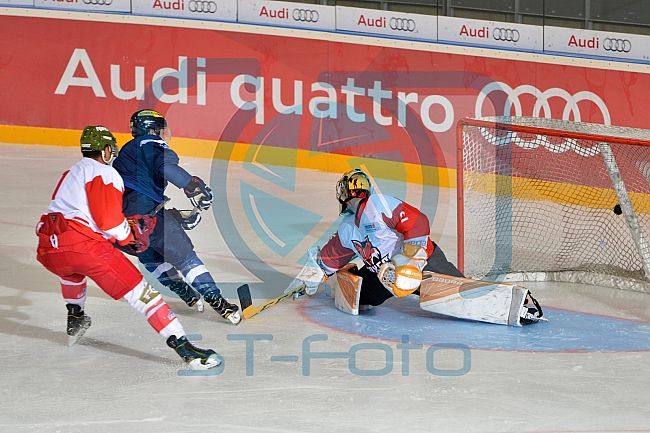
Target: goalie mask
{"x":352,"y":184}
{"x":96,"y":139}
{"x":144,"y":121}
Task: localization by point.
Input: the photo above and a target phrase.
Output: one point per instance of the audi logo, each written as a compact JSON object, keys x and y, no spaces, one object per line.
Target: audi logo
{"x":619,"y":45}
{"x":98,"y":2}
{"x":542,"y":108}
{"x":205,"y":6}
{"x":507,"y":35}
{"x":403,"y":24}
{"x":306,"y":15}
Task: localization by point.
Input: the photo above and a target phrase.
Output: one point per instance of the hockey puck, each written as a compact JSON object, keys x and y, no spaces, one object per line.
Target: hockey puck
{"x":617,"y":209}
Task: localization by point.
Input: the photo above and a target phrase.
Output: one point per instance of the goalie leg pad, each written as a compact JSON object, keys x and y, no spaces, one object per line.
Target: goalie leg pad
{"x":485,"y":301}
{"x":347,"y":290}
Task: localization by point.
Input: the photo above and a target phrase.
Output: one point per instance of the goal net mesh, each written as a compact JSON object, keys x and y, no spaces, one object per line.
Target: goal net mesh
{"x":537,"y":200}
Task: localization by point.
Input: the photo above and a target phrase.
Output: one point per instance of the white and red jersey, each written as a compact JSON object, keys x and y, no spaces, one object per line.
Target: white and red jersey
{"x":89,"y":195}
{"x":376,"y":233}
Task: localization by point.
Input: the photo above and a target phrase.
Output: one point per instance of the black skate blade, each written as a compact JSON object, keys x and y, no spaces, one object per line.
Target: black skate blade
{"x":245,"y":298}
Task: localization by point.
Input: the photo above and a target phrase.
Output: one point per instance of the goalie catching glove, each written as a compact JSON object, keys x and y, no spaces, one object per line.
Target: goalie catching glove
{"x":199,"y":193}
{"x":188,"y":219}
{"x":141,"y":228}
{"x":311,"y":275}
{"x":403,"y":274}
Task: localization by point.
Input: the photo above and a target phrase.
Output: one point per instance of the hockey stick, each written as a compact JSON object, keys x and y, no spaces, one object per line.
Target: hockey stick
{"x":246,"y":300}
{"x":157,"y":208}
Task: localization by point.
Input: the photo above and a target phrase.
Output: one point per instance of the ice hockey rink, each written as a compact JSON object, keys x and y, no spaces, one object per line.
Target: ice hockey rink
{"x":301,"y":366}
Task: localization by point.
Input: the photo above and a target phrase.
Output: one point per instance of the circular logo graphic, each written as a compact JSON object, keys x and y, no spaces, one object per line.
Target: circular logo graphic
{"x":403,"y":24}
{"x":506,"y":35}
{"x":306,"y":15}
{"x":270,"y":211}
{"x":618,"y":45}
{"x":208,"y":7}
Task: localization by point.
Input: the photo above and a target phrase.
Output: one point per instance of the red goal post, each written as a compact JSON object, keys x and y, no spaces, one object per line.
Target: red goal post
{"x":547,"y":199}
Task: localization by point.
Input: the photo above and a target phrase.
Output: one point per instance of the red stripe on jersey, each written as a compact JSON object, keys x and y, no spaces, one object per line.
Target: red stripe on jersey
{"x":412,"y":223}
{"x":334,"y":255}
{"x":58,"y":185}
{"x":409,"y":221}
{"x":105,"y":203}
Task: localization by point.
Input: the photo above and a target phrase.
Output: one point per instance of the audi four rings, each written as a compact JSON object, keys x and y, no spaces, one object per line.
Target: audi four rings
{"x":98,"y":2}
{"x":205,"y":6}
{"x":508,"y":35}
{"x":403,"y":24}
{"x":619,"y":45}
{"x":306,"y":15}
{"x":516,"y":106}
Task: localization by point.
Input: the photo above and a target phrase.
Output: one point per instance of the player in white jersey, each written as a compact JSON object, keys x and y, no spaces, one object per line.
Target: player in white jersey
{"x":389,"y":235}
{"x":76,"y":238}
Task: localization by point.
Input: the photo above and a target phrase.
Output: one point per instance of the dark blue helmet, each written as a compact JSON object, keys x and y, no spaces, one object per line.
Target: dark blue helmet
{"x":144,"y":121}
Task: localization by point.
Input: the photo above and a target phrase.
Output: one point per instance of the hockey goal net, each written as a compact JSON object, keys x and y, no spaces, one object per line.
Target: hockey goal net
{"x":545,"y":199}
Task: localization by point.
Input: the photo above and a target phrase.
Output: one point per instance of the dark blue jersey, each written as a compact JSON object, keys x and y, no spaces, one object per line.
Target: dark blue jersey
{"x":147,"y":164}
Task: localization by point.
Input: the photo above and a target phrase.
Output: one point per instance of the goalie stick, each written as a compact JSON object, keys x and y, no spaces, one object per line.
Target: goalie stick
{"x":246,"y":300}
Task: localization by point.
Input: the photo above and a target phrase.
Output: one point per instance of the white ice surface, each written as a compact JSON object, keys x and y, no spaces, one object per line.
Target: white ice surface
{"x":121,"y":377}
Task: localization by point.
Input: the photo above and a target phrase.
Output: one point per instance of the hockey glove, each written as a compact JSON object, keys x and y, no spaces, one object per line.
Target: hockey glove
{"x":141,"y":228}
{"x":311,"y":275}
{"x":199,"y":193}
{"x":188,"y":219}
{"x":403,"y":274}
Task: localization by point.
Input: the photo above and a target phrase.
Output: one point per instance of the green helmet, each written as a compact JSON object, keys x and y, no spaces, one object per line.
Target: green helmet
{"x":96,"y":139}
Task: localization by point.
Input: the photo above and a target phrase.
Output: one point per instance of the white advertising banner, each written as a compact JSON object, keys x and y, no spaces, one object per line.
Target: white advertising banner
{"x":86,"y":5}
{"x":385,"y":23}
{"x":597,"y":43}
{"x":286,"y":14}
{"x":490,"y":33}
{"x":16,"y":2}
{"x":208,"y":10}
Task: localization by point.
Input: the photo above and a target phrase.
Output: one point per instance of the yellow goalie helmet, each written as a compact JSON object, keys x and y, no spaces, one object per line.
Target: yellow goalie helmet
{"x":352,"y":184}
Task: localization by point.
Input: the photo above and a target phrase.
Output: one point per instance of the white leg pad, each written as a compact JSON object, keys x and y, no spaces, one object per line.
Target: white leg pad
{"x":485,"y":301}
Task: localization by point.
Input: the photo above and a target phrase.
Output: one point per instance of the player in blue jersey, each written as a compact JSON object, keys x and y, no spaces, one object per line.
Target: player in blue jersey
{"x":147,"y":165}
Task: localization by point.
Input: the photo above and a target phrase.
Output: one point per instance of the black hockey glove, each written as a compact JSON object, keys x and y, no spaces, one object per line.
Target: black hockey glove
{"x":188,"y":219}
{"x":199,"y":193}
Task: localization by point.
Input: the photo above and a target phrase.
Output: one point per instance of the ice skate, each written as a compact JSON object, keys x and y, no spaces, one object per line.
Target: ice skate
{"x":78,"y":322}
{"x":197,"y":359}
{"x":223,"y":307}
{"x":188,"y":294}
{"x":531,"y":311}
